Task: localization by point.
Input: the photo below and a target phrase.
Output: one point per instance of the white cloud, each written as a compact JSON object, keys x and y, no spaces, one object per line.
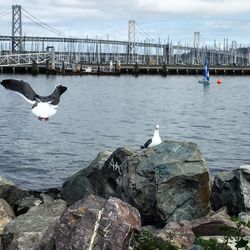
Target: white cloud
{"x":177,"y":19}
{"x":207,"y":7}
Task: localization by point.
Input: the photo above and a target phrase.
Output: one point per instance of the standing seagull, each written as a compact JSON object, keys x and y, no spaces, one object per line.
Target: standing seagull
{"x":43,"y":106}
{"x":155,"y":140}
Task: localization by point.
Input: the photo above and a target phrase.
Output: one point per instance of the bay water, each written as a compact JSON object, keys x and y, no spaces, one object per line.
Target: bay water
{"x":107,"y":112}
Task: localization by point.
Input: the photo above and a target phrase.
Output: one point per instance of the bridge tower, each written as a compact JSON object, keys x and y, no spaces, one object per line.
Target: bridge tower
{"x":131,"y":40}
{"x":16,"y":29}
{"x":196,"y":48}
{"x":234,"y":53}
{"x":168,"y":52}
{"x":196,"y":39}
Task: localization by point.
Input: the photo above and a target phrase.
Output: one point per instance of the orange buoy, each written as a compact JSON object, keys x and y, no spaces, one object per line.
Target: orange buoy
{"x":219,"y":81}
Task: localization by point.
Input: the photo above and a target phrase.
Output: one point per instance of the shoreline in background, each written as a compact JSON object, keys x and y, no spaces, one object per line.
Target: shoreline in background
{"x":136,"y":70}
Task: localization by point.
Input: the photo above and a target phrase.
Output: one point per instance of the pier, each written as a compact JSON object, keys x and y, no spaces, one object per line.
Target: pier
{"x":125,"y":69}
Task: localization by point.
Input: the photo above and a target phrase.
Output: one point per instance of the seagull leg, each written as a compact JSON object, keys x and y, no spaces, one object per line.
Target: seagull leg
{"x":43,"y":118}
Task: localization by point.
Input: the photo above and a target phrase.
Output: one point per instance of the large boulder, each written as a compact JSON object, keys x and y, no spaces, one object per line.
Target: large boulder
{"x":97,"y":223}
{"x":26,"y":230}
{"x":78,"y":186}
{"x":232,"y":189}
{"x":169,"y":182}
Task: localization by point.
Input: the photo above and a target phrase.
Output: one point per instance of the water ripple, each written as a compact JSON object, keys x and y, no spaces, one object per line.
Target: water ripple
{"x":106,"y":113}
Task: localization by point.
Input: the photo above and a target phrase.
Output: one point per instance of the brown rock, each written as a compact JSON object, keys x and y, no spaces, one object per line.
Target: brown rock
{"x":179,"y":234}
{"x":97,"y":223}
{"x":213,"y":223}
{"x":6,"y":214}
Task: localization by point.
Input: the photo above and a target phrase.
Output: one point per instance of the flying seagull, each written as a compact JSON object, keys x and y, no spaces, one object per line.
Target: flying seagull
{"x":155,"y":140}
{"x":43,"y":106}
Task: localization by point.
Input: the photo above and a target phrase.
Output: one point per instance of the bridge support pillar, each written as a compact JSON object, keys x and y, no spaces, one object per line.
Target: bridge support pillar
{"x":51,"y":49}
{"x":167,"y":54}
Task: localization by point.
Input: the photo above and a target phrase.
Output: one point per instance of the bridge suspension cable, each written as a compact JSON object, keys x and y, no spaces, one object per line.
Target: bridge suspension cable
{"x":5,"y":12}
{"x":142,"y":32}
{"x":5,"y":17}
{"x":41,"y":23}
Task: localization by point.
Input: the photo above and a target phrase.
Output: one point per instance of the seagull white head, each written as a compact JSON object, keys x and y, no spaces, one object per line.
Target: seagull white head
{"x":157,"y":126}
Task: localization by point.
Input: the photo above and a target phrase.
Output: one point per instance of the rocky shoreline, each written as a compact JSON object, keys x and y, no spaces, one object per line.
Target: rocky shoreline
{"x":165,"y":190}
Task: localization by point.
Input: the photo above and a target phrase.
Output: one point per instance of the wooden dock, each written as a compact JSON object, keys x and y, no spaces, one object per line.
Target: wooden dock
{"x":130,"y":69}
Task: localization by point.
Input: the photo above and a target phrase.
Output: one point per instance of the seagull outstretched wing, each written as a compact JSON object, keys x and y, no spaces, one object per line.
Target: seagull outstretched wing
{"x":22,"y":88}
{"x":54,"y":98}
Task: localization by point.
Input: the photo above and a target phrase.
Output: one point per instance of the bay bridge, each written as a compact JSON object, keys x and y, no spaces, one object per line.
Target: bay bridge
{"x":57,"y":50}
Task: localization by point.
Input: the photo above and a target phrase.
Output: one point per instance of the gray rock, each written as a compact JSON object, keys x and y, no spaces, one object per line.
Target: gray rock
{"x":46,"y":198}
{"x":53,"y":192}
{"x":232,"y":189}
{"x":11,"y":193}
{"x":97,"y":223}
{"x":244,"y":216}
{"x":35,"y":198}
{"x":47,"y":241}
{"x":27,"y":230}
{"x":26,"y":203}
{"x":168,"y":182}
{"x":196,"y":247}
{"x":78,"y":186}
{"x":182,"y":180}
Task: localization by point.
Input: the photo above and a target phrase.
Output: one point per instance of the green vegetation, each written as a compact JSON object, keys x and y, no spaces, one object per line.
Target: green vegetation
{"x":229,"y":234}
{"x":147,"y":241}
{"x":235,"y":233}
{"x":211,"y":244}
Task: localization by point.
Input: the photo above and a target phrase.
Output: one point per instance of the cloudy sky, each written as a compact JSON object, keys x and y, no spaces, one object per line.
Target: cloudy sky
{"x":176,"y":20}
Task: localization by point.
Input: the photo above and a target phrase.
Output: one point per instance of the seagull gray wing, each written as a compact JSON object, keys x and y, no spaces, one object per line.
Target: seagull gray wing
{"x":148,"y":142}
{"x":54,"y":98}
{"x":22,"y":88}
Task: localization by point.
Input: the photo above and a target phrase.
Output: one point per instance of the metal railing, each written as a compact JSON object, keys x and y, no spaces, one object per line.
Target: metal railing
{"x":23,"y":59}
